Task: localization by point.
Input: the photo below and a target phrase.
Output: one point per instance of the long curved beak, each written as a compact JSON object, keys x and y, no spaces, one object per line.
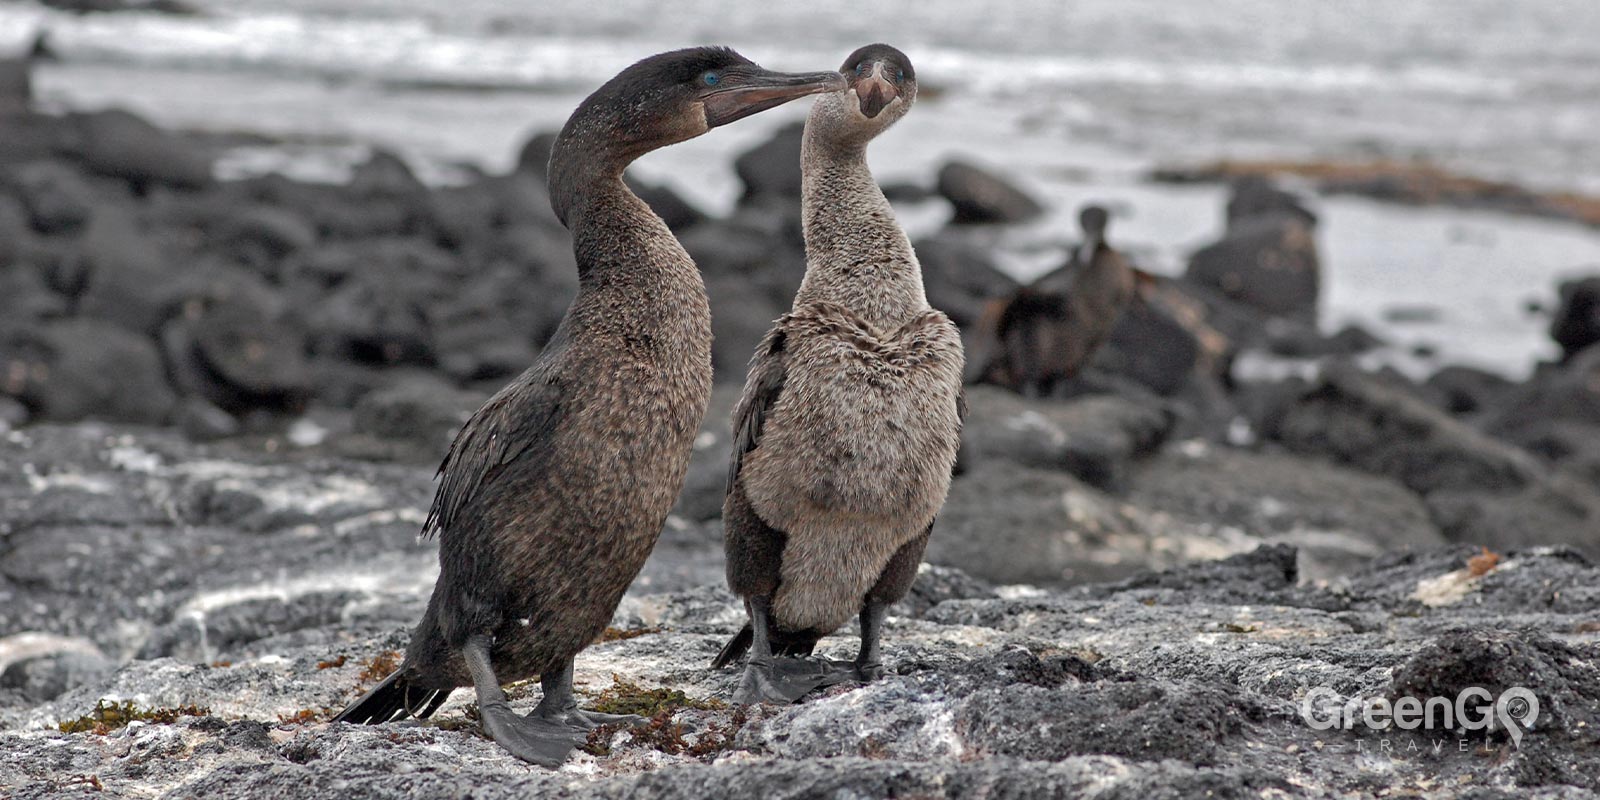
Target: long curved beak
{"x":759,"y":90}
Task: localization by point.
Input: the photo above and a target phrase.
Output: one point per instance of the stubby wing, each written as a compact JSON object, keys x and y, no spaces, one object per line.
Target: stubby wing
{"x":516,"y":424}
{"x":761,"y":391}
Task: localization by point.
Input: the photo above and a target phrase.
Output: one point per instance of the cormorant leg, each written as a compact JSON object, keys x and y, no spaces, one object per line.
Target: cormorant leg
{"x":533,"y":739}
{"x":768,"y":679}
{"x":868,"y":666}
{"x":559,"y":704}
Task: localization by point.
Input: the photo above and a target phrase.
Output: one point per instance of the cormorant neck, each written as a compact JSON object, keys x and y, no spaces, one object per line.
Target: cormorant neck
{"x":579,"y":175}
{"x":857,"y":255}
{"x":619,"y":242}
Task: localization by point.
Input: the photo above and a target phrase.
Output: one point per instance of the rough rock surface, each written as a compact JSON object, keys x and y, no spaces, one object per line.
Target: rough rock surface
{"x":252,"y":592}
{"x":1478,"y":488}
{"x":1095,"y":438}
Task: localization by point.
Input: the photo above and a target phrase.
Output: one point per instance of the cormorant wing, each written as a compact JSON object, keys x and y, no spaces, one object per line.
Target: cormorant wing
{"x":515,"y":424}
{"x":761,"y":391}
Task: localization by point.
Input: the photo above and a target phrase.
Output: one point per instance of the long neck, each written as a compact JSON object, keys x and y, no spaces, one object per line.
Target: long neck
{"x":856,"y":254}
{"x":633,"y":274}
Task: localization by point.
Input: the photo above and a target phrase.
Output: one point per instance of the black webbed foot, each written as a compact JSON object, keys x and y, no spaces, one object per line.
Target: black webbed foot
{"x":536,"y":740}
{"x":786,"y":680}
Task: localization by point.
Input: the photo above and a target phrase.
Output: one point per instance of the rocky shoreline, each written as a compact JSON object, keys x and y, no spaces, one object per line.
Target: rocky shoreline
{"x":222,"y":403}
{"x":236,"y":599}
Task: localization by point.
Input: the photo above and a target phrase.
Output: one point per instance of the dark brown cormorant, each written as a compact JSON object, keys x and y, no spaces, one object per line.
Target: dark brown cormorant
{"x":850,"y":420}
{"x":1046,"y":332}
{"x":553,"y":494}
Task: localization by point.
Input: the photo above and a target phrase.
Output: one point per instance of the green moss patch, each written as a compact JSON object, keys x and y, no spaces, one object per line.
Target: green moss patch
{"x":107,"y":717}
{"x":626,"y":697}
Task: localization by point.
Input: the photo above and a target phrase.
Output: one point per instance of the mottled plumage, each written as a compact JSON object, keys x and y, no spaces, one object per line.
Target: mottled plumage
{"x":848,"y":429}
{"x":554,"y":493}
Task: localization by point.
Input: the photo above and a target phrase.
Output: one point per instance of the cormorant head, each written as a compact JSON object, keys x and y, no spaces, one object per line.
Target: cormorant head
{"x":881,"y":86}
{"x":671,"y":97}
{"x":1093,"y":219}
{"x":882,"y":80}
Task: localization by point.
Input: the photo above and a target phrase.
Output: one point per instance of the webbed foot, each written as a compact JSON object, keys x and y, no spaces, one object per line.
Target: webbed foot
{"x":534,"y":739}
{"x":785,"y":680}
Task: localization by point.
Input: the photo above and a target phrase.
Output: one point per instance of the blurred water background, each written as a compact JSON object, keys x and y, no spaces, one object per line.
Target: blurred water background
{"x":1075,"y":99}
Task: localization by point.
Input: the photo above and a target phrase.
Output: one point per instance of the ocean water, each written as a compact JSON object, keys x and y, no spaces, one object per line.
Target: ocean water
{"x":1075,"y":98}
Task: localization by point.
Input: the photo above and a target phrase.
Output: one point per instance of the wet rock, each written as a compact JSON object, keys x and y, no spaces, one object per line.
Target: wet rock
{"x":12,"y":414}
{"x":262,"y":235}
{"x":388,"y":196}
{"x":25,"y":298}
{"x":707,"y":481}
{"x":130,"y":280}
{"x":1276,"y":498}
{"x":1268,"y":263}
{"x":678,"y":213}
{"x":202,"y":421}
{"x":1304,"y":341}
{"x":384,"y":174}
{"x":936,"y":584}
{"x":1466,"y":390}
{"x":369,"y":300}
{"x":1007,"y":523}
{"x":207,"y":634}
{"x":744,"y":315}
{"x":907,"y":192}
{"x":56,"y":197}
{"x":29,"y":137}
{"x":772,"y":168}
{"x":1557,"y":510}
{"x":1255,"y":196}
{"x":83,"y":368}
{"x":1152,"y":347}
{"x":14,"y":226}
{"x":1094,"y":438}
{"x":980,"y":196}
{"x":1576,"y":324}
{"x":960,"y":277}
{"x":728,"y":248}
{"x":16,"y":86}
{"x":48,"y":675}
{"x":1573,"y":447}
{"x":1355,"y":419}
{"x":1269,"y":572}
{"x":485,"y":331}
{"x":233,"y":346}
{"x":417,"y":408}
{"x":1569,"y":393}
{"x":46,"y":678}
{"x":122,"y":145}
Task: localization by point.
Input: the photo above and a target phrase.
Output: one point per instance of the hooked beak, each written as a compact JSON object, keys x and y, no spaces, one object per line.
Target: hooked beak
{"x":757,"y":91}
{"x":875,"y":92}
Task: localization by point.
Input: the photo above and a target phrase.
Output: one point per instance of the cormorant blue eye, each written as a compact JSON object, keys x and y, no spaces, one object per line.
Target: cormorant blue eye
{"x":711,"y":78}
{"x":861,"y":69}
{"x":899,"y":76}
